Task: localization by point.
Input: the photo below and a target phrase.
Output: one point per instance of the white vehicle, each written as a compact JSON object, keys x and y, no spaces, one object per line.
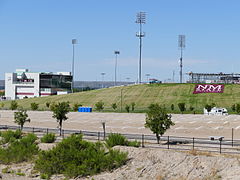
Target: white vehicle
{"x":216,"y":111}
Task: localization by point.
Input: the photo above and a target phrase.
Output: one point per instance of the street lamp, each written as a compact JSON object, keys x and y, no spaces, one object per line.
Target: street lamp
{"x":102,"y":77}
{"x":116,"y":54}
{"x":74,"y":41}
{"x":147,"y":77}
{"x":141,"y":19}
{"x":181,"y":45}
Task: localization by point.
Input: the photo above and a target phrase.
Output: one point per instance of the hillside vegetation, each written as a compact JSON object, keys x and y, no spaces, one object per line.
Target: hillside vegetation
{"x":143,"y":96}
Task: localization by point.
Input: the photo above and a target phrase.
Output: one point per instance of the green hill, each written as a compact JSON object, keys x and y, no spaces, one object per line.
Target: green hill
{"x":143,"y":96}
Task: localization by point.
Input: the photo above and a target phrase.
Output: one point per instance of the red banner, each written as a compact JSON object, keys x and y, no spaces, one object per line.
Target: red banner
{"x":208,"y":88}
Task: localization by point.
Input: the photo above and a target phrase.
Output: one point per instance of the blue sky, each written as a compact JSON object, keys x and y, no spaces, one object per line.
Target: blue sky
{"x":36,"y":34}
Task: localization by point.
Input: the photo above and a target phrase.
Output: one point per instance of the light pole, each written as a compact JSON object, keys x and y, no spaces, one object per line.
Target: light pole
{"x":74,"y":41}
{"x":116,"y":54}
{"x":102,"y":78}
{"x":181,"y":45}
{"x":141,"y":19}
{"x":147,"y":77}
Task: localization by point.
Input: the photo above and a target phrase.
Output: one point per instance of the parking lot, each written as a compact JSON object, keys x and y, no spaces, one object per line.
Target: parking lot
{"x":185,"y":125}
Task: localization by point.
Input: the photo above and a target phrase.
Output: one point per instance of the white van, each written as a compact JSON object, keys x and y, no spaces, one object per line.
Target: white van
{"x":216,"y":111}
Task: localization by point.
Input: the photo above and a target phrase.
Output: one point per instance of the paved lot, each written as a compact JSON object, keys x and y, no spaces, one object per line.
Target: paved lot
{"x":185,"y":125}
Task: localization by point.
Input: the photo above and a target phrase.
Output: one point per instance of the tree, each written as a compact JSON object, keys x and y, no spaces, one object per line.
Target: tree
{"x":181,"y":107}
{"x":127,"y":107}
{"x":133,"y":106}
{"x":34,"y":106}
{"x":114,"y":106}
{"x":99,"y":106}
{"x":48,"y":104}
{"x":172,"y":107}
{"x":158,"y":120}
{"x":208,"y":107}
{"x":13,"y":105}
{"x":59,"y":112}
{"x":21,"y":117}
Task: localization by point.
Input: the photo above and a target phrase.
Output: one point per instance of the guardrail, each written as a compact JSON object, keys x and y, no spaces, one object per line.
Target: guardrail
{"x":148,"y":141}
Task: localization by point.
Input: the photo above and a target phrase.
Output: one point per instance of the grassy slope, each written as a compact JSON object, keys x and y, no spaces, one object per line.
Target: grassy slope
{"x":143,"y":95}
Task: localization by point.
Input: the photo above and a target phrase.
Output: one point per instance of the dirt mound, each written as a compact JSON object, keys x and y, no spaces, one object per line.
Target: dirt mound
{"x":164,"y":164}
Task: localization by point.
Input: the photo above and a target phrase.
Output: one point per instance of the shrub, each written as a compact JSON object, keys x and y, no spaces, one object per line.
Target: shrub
{"x":99,"y":106}
{"x":116,"y":139}
{"x":233,"y":107}
{"x":76,"y":106}
{"x":10,"y":136}
{"x":13,"y":105}
{"x":34,"y":106}
{"x":75,"y":157}
{"x":19,"y":150}
{"x":191,"y":108}
{"x":238,"y":108}
{"x":127,"y":107}
{"x":48,"y":138}
{"x":172,"y":107}
{"x":114,"y":106}
{"x":21,"y":117}
{"x":133,"y":106}
{"x":2,"y":105}
{"x":48,"y":104}
{"x":181,"y":107}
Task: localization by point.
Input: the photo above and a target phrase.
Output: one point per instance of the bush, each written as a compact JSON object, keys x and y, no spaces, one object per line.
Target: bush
{"x":48,"y":138}
{"x":48,"y":104}
{"x":19,"y":150}
{"x":233,"y":107}
{"x":115,"y":139}
{"x":181,"y":107}
{"x":133,"y":106}
{"x":10,"y":136}
{"x":34,"y":106}
{"x":76,"y":106}
{"x":75,"y":157}
{"x":172,"y":107}
{"x":127,"y":107}
{"x":238,"y":108}
{"x":191,"y":108}
{"x":99,"y":106}
{"x":13,"y":105}
{"x":114,"y":106}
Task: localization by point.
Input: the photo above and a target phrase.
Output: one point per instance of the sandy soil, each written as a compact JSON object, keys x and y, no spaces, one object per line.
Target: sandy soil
{"x":185,"y":125}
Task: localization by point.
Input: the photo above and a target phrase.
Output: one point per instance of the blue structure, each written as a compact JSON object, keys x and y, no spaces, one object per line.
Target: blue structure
{"x":84,"y":109}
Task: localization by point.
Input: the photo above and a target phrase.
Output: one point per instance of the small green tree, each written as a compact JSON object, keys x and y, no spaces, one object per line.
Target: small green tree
{"x":133,"y":106}
{"x":48,"y":104}
{"x":21,"y":117}
{"x":208,"y":107}
{"x":99,"y":106}
{"x":181,"y":107}
{"x":191,"y":108}
{"x":233,"y":107}
{"x":114,"y":106}
{"x":76,"y":106}
{"x":238,"y":108}
{"x":158,"y":120}
{"x":172,"y":107}
{"x":13,"y":105}
{"x":34,"y":106}
{"x":59,"y":112}
{"x":127,"y":107}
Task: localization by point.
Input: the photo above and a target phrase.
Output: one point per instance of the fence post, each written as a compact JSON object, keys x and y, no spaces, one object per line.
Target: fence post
{"x":80,"y":131}
{"x":220,"y":140}
{"x":33,"y":130}
{"x":193,"y":143}
{"x":98,"y":136}
{"x":168,"y":142}
{"x":47,"y":130}
{"x":232,"y":137}
{"x":142,"y":140}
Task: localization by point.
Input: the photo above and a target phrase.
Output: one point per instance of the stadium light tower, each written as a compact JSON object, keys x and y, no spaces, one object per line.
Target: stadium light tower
{"x":181,"y":45}
{"x":74,"y":41}
{"x":116,"y":54}
{"x":141,"y":19}
{"x":103,"y":73}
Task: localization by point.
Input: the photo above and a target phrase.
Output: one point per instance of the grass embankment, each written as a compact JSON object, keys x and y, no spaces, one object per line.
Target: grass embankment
{"x":143,"y":96}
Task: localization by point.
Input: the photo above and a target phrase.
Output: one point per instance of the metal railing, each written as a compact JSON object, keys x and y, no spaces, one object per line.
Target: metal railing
{"x":228,"y":146}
